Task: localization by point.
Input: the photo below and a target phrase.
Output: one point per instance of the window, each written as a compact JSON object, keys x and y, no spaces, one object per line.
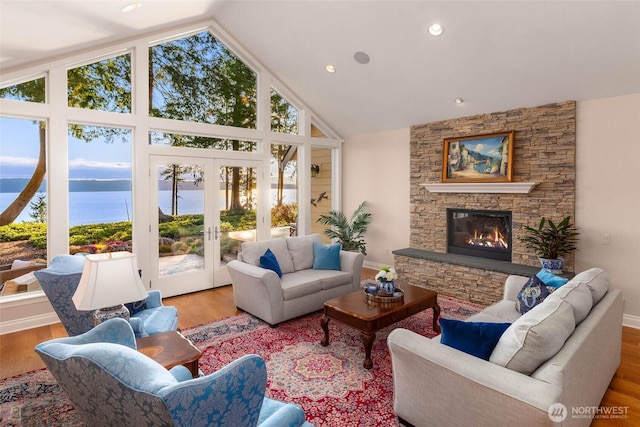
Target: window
{"x":104,"y":85}
{"x":284,"y":116}
{"x":100,"y":204}
{"x":284,"y":188}
{"x":176,"y":140}
{"x":201,"y":96}
{"x":32,"y":91}
{"x":23,"y":195}
{"x":198,"y":79}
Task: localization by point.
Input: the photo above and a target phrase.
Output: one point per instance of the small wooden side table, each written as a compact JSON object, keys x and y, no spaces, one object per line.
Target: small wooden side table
{"x":171,"y":349}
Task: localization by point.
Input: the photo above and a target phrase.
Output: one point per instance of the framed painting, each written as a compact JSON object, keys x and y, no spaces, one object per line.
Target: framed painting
{"x":482,"y":158}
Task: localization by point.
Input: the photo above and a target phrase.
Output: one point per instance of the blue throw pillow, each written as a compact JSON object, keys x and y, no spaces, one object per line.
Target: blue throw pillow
{"x":551,"y":279}
{"x":135,"y":307}
{"x":474,"y":338}
{"x":326,"y":257}
{"x":532,"y":293}
{"x":268,"y":260}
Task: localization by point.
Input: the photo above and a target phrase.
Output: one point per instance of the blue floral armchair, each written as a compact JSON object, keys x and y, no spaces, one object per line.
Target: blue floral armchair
{"x":59,"y":282}
{"x":110,"y":383}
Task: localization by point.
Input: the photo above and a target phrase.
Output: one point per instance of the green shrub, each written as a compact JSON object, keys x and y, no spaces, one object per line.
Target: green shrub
{"x":22,"y":231}
{"x":79,"y":240}
{"x":180,"y":248}
{"x":284,"y":215}
{"x":196,"y":247}
{"x":39,"y":241}
{"x":225,"y":226}
{"x":189,"y":226}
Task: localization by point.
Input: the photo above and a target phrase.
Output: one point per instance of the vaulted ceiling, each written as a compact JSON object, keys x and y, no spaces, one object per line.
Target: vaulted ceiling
{"x":494,"y":55}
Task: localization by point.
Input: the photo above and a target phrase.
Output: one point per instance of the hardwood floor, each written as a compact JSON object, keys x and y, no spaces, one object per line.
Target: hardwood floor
{"x":17,"y":355}
{"x":16,"y":349}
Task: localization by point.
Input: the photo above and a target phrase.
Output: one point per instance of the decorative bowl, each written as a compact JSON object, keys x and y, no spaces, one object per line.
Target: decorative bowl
{"x":382,"y":297}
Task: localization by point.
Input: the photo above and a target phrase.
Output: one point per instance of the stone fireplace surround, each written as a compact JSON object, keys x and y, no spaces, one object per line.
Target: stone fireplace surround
{"x":544,"y":153}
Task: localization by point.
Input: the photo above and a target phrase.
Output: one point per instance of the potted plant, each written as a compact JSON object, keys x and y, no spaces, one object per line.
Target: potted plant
{"x":551,"y":242}
{"x":348,"y":232}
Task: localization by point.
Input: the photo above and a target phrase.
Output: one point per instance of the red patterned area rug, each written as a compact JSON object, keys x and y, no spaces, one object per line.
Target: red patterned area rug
{"x":329,"y":383}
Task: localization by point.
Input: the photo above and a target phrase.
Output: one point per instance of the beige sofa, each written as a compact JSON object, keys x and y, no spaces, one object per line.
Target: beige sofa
{"x":301,"y":290}
{"x":437,"y":385}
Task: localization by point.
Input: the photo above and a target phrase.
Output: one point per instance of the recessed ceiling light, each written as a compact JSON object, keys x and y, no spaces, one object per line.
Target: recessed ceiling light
{"x":459,"y":100}
{"x":436,"y":29}
{"x":131,"y":6}
{"x":330,"y":68}
{"x":361,"y":57}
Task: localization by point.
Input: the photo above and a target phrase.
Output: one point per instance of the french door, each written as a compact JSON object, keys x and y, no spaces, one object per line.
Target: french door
{"x":191,"y":244}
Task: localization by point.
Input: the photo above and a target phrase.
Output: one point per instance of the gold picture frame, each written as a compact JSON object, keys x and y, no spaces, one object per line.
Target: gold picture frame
{"x":479,"y":158}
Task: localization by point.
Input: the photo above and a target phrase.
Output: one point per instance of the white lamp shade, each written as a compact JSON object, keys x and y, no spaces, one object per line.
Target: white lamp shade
{"x":109,"y":280}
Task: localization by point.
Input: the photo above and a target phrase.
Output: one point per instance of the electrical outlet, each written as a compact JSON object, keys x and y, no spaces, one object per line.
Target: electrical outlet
{"x":606,"y":239}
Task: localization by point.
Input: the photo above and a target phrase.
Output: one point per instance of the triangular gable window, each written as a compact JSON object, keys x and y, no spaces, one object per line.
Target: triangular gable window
{"x":31,"y":91}
{"x":198,"y":79}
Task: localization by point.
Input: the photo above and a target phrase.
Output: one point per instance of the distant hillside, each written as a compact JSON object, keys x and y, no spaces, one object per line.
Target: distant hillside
{"x":16,"y":185}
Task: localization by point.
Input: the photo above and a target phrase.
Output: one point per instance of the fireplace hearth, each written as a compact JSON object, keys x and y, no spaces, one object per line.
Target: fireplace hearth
{"x":479,"y":233}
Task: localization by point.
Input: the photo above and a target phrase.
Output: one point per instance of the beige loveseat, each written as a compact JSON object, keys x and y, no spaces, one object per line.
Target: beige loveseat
{"x":301,"y":290}
{"x":437,"y":385}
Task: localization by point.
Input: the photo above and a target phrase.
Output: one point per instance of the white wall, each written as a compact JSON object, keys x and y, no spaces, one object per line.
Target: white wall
{"x":608,"y":193}
{"x":376,"y":169}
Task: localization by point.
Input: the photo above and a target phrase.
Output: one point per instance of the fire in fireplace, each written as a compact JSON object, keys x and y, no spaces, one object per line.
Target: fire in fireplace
{"x":480,"y":233}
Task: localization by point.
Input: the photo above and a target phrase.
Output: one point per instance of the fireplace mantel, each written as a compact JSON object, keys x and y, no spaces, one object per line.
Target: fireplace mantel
{"x":481,"y":187}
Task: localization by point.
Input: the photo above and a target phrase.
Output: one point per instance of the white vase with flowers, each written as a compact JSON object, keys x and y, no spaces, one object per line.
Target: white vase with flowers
{"x":386,"y":279}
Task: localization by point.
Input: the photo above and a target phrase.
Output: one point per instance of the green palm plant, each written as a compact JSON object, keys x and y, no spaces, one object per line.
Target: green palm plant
{"x":550,"y":240}
{"x":348,"y":232}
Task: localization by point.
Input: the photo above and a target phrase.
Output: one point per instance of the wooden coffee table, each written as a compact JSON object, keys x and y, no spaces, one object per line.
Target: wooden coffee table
{"x":171,"y":349}
{"x":367,"y":317}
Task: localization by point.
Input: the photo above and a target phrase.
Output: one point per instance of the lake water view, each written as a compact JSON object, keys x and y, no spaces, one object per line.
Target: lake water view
{"x":115,"y":206}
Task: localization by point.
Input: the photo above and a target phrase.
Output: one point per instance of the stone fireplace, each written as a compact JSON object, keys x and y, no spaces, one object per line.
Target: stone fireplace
{"x":479,"y":233}
{"x":544,"y":154}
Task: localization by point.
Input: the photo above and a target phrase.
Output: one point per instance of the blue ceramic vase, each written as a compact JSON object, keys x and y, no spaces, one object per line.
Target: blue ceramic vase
{"x":388,"y":287}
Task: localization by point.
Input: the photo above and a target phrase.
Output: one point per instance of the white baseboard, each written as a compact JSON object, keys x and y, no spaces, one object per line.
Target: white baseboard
{"x":372,"y":265}
{"x":18,"y":325}
{"x":631,"y":321}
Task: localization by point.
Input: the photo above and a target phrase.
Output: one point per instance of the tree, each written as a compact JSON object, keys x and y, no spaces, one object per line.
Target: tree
{"x":33,"y":91}
{"x":198,"y":79}
{"x":174,"y":173}
{"x":104,"y":85}
{"x":39,"y":209}
{"x":284,"y":119}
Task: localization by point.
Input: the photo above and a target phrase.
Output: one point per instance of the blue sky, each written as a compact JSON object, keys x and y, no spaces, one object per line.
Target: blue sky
{"x":97,"y":159}
{"x":488,"y":146}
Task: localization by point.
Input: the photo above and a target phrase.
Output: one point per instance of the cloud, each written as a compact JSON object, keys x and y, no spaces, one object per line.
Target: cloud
{"x":479,"y":148}
{"x":94,"y":164}
{"x":8,"y":161}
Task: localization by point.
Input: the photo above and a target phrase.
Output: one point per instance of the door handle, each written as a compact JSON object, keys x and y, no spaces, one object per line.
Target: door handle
{"x":216,"y":233}
{"x":209,"y":233}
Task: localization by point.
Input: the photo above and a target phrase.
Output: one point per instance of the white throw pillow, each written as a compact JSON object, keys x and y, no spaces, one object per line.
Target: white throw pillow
{"x":535,"y":337}
{"x":578,"y":296}
{"x":301,"y":250}
{"x":597,"y":280}
{"x":252,"y":251}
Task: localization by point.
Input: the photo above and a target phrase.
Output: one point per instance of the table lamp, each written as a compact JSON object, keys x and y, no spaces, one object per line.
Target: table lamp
{"x":108,"y":281}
